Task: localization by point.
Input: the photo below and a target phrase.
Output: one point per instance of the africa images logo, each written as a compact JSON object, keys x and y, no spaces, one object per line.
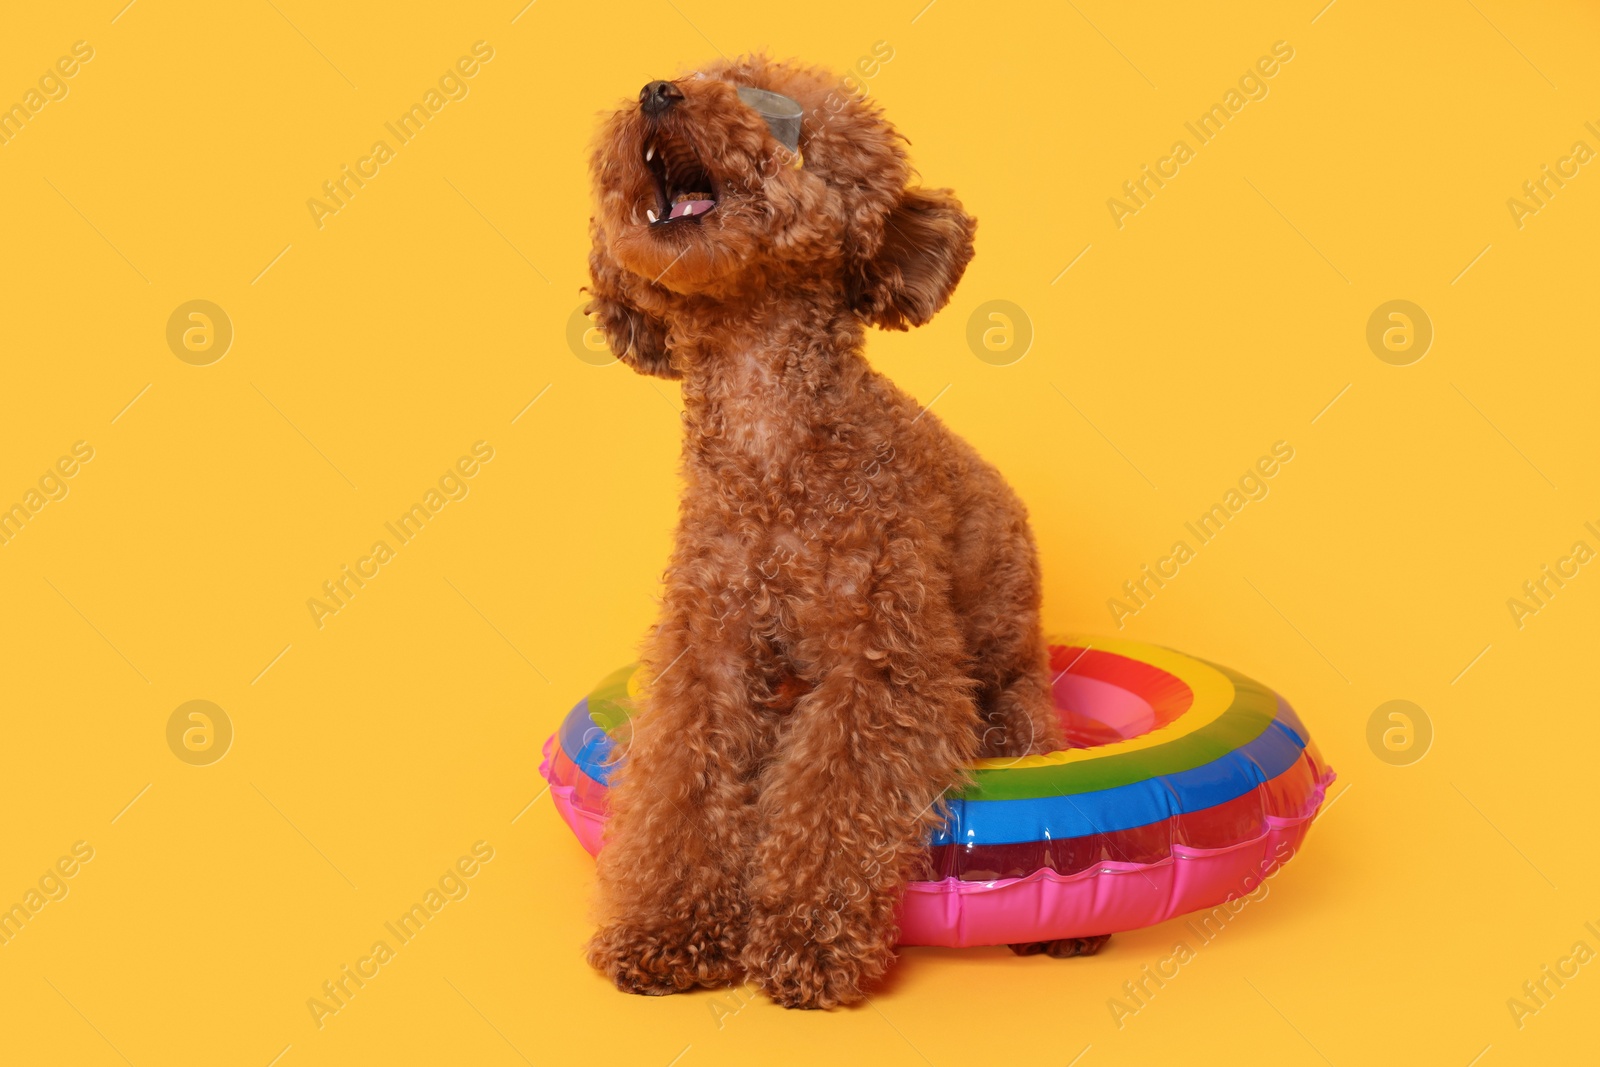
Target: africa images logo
{"x":452,"y":485}
{"x":1252,"y":486}
{"x":452,"y":85}
{"x":452,"y":886}
{"x":1138,"y":192}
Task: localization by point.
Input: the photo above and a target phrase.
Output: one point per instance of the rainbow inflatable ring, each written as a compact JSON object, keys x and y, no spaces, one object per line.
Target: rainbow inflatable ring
{"x":1186,"y":785}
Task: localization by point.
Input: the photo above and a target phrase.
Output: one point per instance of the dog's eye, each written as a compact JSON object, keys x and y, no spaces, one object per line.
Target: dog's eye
{"x":782,"y":114}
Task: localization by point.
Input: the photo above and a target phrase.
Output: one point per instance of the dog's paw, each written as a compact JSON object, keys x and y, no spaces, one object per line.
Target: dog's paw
{"x":1062,"y":948}
{"x":810,"y":976}
{"x":635,"y":962}
{"x":800,"y":973}
{"x":655,"y":964}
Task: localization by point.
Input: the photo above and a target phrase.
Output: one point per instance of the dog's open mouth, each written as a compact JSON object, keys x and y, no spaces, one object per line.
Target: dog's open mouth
{"x":683,"y":188}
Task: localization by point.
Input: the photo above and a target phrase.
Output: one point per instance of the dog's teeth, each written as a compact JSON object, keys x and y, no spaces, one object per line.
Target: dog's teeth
{"x":650,"y":214}
{"x":650,"y":153}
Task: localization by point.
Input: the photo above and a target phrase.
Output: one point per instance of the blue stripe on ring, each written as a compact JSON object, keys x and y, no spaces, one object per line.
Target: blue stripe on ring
{"x":1009,"y":822}
{"x":586,"y":745}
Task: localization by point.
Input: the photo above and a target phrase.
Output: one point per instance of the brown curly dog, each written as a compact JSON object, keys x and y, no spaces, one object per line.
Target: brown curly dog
{"x":852,"y":607}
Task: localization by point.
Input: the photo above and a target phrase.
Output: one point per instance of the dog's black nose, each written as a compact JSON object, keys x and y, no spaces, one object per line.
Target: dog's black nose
{"x":658,"y":96}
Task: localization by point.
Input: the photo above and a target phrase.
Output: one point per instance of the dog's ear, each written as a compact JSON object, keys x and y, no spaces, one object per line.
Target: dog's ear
{"x":637,"y":338}
{"x":927,"y":244}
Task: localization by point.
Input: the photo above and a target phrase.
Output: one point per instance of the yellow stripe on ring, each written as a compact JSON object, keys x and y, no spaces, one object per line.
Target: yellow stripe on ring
{"x":1213,"y":695}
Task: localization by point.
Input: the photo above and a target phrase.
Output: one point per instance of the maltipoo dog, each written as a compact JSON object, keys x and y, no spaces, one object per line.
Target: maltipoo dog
{"x":851,"y":611}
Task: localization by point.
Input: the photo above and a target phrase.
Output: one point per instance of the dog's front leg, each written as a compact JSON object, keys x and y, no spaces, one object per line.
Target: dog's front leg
{"x":672,"y":867}
{"x":848,"y":802}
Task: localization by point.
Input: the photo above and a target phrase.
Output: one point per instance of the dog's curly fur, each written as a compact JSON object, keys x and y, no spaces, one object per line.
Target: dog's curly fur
{"x":851,"y":611}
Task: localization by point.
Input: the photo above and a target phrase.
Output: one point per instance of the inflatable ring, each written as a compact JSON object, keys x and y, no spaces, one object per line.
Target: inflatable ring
{"x":1185,"y":786}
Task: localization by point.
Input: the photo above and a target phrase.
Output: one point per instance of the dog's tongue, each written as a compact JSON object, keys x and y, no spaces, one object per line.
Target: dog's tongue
{"x":684,"y":208}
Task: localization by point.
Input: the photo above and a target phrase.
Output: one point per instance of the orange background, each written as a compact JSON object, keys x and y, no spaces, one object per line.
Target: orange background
{"x":369,"y":754}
